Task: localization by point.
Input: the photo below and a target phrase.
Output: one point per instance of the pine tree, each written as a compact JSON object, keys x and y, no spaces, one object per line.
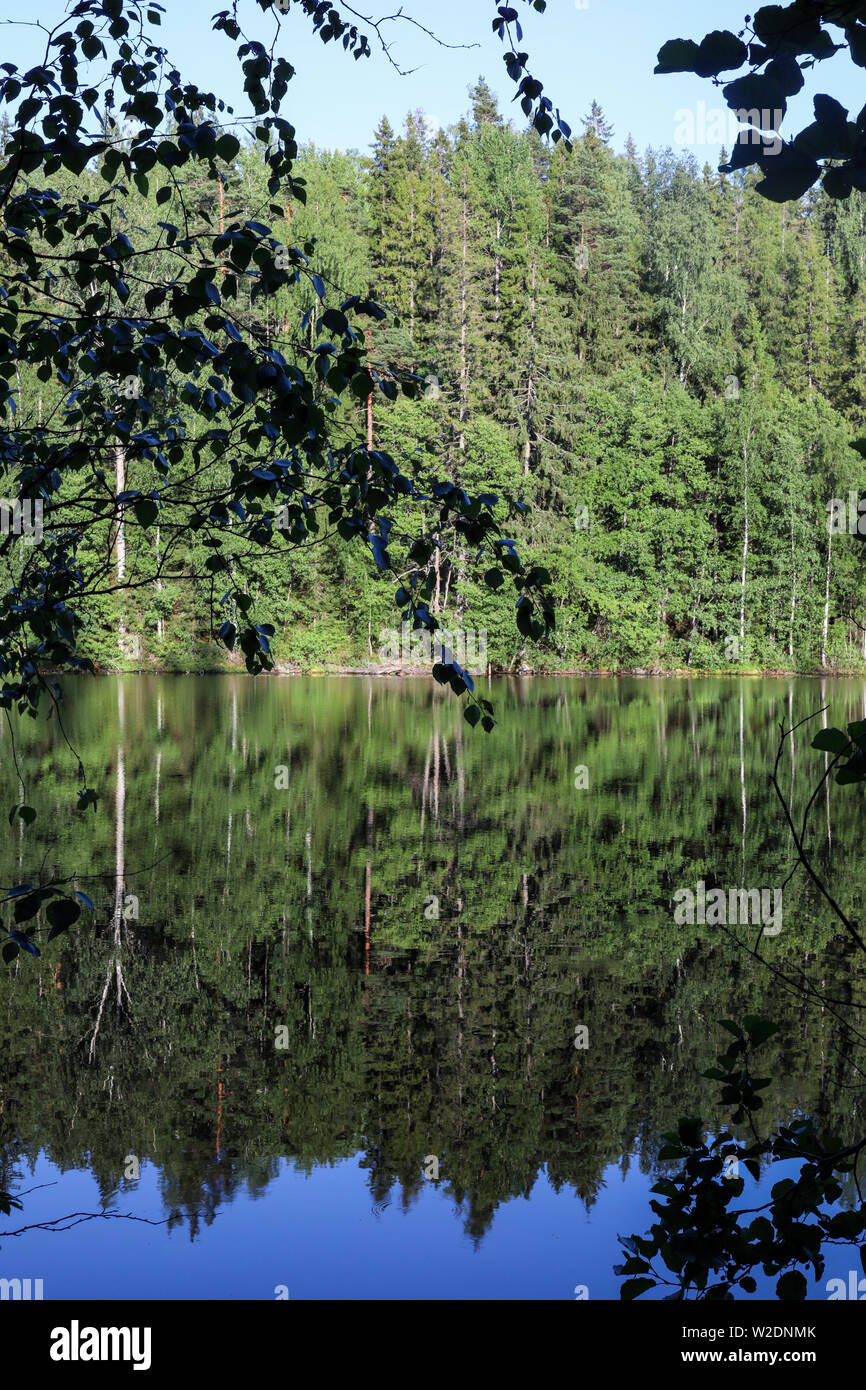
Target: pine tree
{"x":695,"y":293}
{"x":596,"y":234}
{"x":485,"y":106}
{"x":844,"y":223}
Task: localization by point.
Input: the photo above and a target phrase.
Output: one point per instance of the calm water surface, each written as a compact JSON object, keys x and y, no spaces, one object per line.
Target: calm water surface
{"x":322,"y":1022}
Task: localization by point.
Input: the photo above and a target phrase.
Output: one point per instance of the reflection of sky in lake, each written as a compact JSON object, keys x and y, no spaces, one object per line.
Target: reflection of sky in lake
{"x":320,"y":1236}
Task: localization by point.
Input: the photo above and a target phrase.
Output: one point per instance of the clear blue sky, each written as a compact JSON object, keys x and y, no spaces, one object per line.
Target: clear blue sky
{"x":606,"y":51}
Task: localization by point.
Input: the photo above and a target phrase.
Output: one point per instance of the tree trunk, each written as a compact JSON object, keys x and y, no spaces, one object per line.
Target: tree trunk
{"x":793,"y":587}
{"x":530,"y":383}
{"x":464,"y":373}
{"x":159,"y":623}
{"x":826,"y":626}
{"x":120,"y":540}
{"x":745,"y":546}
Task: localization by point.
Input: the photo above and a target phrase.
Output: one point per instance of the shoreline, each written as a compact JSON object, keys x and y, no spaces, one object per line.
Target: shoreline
{"x":420,"y":673}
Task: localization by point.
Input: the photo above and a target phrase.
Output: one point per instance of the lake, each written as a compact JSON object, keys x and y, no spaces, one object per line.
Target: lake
{"x":374,"y":1005}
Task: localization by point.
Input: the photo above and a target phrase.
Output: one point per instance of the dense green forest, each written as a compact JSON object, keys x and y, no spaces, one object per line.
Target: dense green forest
{"x":666,"y":371}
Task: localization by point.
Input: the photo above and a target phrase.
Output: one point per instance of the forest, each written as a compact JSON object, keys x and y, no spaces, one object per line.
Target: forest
{"x":664,"y":374}
{"x":497,"y":400}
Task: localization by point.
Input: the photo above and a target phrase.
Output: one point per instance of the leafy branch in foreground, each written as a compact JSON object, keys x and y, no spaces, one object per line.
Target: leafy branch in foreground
{"x":701,"y":1236}
{"x":782,"y":42}
{"x":174,"y":425}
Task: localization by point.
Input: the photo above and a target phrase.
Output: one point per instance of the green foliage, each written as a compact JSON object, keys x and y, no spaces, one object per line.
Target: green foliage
{"x":561,"y":330}
{"x":836,"y":742}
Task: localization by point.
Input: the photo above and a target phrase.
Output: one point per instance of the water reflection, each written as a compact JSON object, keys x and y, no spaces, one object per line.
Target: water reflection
{"x":332,"y":922}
